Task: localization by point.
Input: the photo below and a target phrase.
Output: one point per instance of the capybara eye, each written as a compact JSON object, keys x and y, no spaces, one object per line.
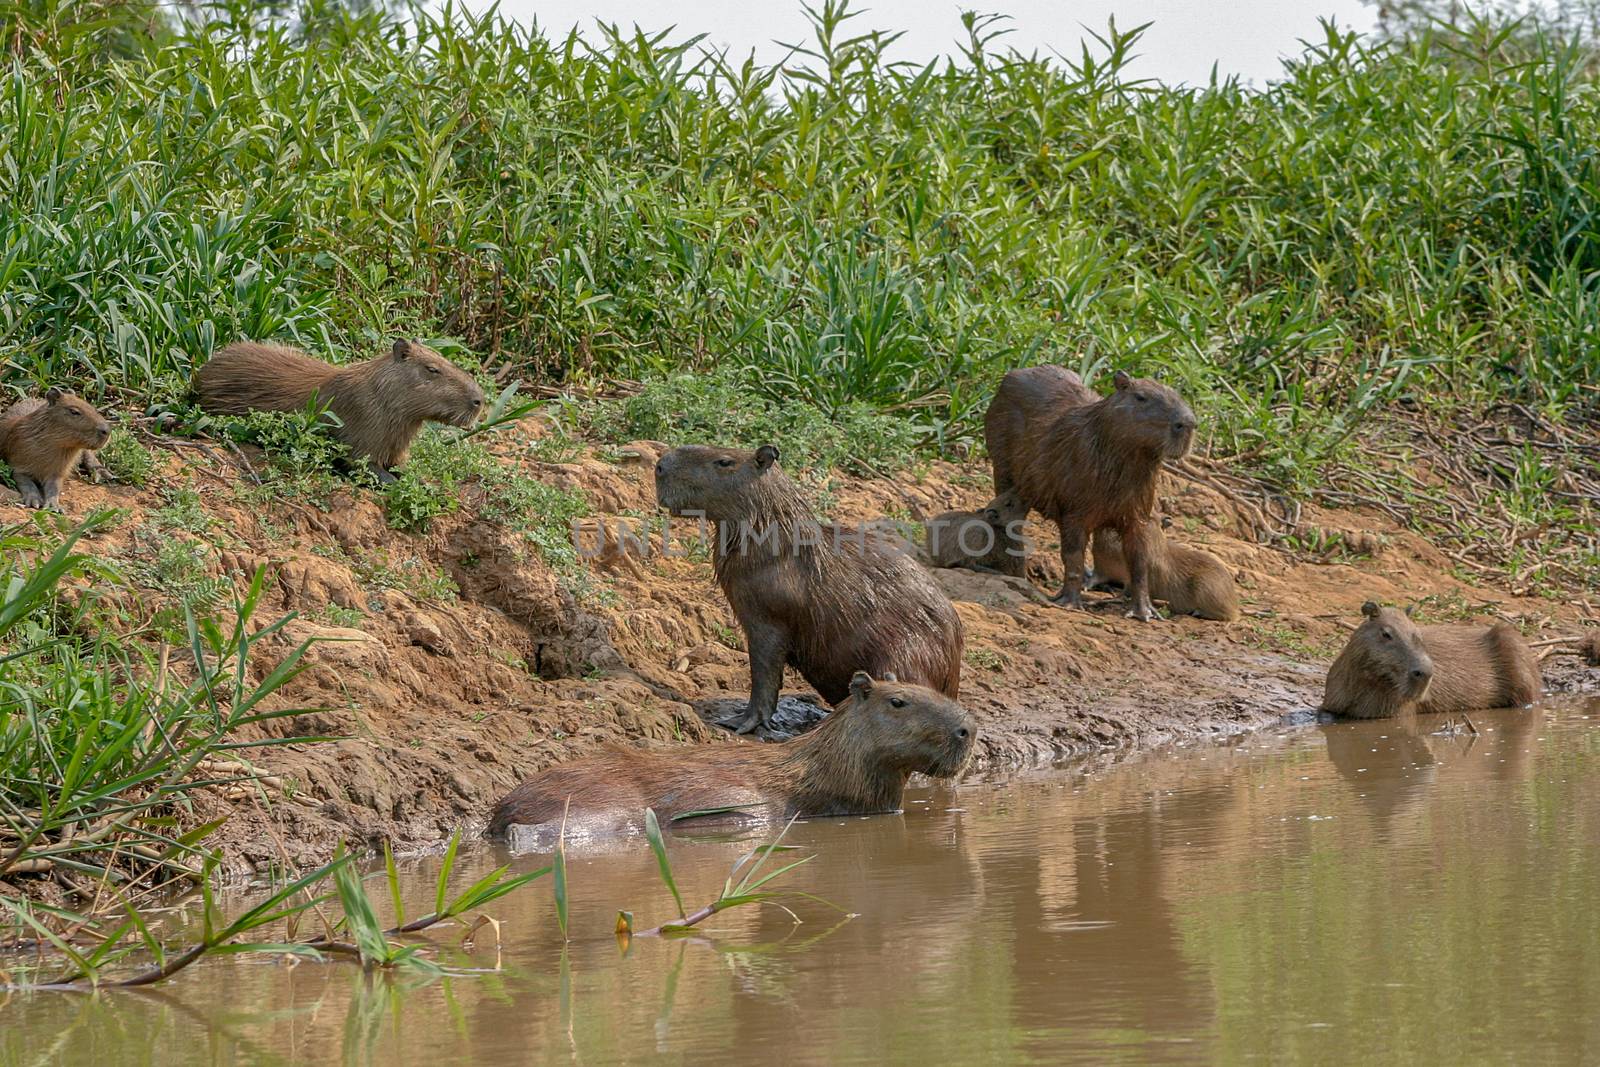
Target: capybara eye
{"x":1388,"y":635}
{"x":1140,"y":397}
{"x":725,"y":462}
{"x":897,"y":702}
{"x":433,"y":370}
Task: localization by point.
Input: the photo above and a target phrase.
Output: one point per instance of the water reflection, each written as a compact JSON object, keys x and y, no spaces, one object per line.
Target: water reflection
{"x":1380,"y":891}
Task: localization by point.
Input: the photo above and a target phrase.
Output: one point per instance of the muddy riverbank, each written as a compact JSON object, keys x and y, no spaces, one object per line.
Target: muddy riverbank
{"x":454,"y":662}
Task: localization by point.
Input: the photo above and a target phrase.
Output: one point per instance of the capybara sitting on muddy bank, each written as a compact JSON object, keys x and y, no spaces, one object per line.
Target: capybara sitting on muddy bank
{"x":855,"y":763}
{"x":1192,"y":582}
{"x":43,"y":439}
{"x":381,"y":403}
{"x":1392,"y":665}
{"x":825,"y":599}
{"x":986,"y":540}
{"x":1087,"y":462}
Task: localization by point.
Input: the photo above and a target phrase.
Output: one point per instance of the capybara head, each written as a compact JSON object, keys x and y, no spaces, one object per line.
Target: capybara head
{"x":909,"y":728}
{"x":418,"y":383}
{"x":723,"y":484}
{"x":74,"y":421}
{"x":1151,"y":417}
{"x":1387,"y":652}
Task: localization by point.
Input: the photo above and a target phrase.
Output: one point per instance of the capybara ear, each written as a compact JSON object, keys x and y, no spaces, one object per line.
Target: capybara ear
{"x":1166,"y":522}
{"x":1370,"y":609}
{"x":991,"y":516}
{"x":52,"y":394}
{"x":402,"y":348}
{"x":1411,"y":609}
{"x":1122,"y":380}
{"x":889,"y":676}
{"x":860,"y":685}
{"x":766,"y":456}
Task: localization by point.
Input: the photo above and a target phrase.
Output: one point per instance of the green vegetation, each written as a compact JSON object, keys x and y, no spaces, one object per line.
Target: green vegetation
{"x":844,"y":255}
{"x":125,"y":460}
{"x":101,"y":736}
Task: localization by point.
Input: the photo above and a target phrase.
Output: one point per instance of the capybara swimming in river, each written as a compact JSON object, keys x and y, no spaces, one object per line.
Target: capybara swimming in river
{"x":855,"y":763}
{"x":381,"y":403}
{"x":1392,"y":665}
{"x":986,"y":540}
{"x":827,"y":600}
{"x":1192,"y":582}
{"x":1087,"y":462}
{"x":43,"y":440}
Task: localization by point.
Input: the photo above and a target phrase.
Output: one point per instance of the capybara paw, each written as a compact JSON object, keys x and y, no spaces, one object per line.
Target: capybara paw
{"x":1065,"y":599}
{"x":1145,"y":613}
{"x":743,"y":724}
{"x":384,"y":475}
{"x":32,"y":501}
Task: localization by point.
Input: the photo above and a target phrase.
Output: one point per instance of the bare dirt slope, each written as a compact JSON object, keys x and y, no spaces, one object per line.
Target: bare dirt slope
{"x":445,"y":701}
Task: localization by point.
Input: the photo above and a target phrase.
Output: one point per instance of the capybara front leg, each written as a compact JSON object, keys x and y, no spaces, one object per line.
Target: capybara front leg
{"x":1072,"y":545}
{"x":769,"y":649}
{"x":89,"y":468}
{"x":52,"y":494}
{"x":32,"y":492}
{"x":1136,"y":550}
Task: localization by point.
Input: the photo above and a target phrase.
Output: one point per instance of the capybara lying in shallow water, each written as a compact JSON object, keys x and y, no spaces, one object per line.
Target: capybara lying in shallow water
{"x":44,"y":439}
{"x":1192,"y":582}
{"x":1392,"y":665}
{"x":1087,"y":462}
{"x":855,"y":763}
{"x":986,"y":540}
{"x":381,"y":403}
{"x":827,"y":600}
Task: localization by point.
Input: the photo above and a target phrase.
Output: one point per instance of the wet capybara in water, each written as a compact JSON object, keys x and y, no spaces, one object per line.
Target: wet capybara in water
{"x":1391,"y":665}
{"x":381,"y":403}
{"x":855,"y":763}
{"x":986,"y":540}
{"x":44,"y":439}
{"x":826,"y":600}
{"x":1087,"y":462}
{"x":1192,"y":582}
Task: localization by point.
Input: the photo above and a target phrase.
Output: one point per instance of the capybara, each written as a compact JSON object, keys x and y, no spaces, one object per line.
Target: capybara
{"x":1087,"y":462}
{"x":855,"y":763}
{"x":1392,"y":665}
{"x":1589,"y":648}
{"x":1192,"y":582}
{"x":43,"y":439}
{"x":986,"y":540}
{"x":825,"y":599}
{"x":381,"y":403}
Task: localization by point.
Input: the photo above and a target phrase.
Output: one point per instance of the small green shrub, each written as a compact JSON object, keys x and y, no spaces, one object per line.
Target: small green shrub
{"x":727,"y":407}
{"x":125,"y":460}
{"x":183,"y":510}
{"x":302,"y":457}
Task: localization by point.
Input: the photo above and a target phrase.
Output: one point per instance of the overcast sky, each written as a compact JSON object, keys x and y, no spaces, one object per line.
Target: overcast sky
{"x":1243,"y":37}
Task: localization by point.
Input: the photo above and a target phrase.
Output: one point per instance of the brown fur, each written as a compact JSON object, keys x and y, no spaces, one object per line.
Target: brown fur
{"x":826,"y":600}
{"x":1589,"y":648}
{"x":1391,"y":665}
{"x":855,"y":763}
{"x":1086,"y":462}
{"x":986,"y":540}
{"x":1192,"y":582}
{"x":44,"y":439}
{"x":382,"y":403}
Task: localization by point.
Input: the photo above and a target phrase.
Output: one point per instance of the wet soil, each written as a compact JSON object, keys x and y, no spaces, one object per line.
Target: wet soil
{"x":443,"y":702}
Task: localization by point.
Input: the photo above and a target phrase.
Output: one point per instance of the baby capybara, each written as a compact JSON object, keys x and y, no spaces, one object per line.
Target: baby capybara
{"x":824,"y":599}
{"x":986,"y":540}
{"x":855,"y":763}
{"x":381,"y":403}
{"x":44,"y":439}
{"x":1192,"y":582}
{"x":1087,"y":462}
{"x":1392,"y":665}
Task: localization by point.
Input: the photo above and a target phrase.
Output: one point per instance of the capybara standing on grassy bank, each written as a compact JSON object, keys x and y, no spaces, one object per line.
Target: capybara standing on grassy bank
{"x":1392,"y":665}
{"x":43,"y":439}
{"x":985,"y":540}
{"x":381,"y":403}
{"x":825,"y":599}
{"x":855,"y":763}
{"x":1087,"y":462}
{"x":1192,"y":582}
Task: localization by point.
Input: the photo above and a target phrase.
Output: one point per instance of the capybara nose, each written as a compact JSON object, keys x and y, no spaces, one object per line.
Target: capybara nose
{"x":1419,"y":673}
{"x":962,"y":733}
{"x":1182,"y":426}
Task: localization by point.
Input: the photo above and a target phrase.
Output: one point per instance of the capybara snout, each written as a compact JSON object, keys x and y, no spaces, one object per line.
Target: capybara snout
{"x":1163,"y":420}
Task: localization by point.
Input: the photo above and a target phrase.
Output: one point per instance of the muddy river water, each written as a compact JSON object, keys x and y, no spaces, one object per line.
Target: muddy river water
{"x":1345,"y":893}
